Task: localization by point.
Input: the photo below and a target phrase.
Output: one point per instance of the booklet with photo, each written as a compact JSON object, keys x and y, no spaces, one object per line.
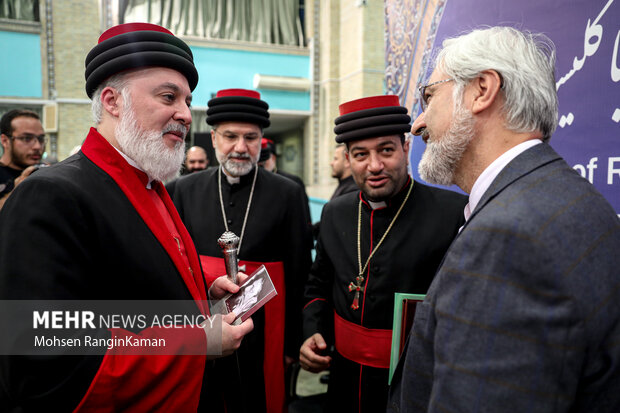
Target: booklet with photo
{"x":254,"y":293}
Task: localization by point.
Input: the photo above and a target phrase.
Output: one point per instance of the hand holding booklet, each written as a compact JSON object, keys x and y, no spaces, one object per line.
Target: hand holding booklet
{"x":254,"y":293}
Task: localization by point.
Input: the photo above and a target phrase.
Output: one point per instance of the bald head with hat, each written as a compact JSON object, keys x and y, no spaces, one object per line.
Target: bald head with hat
{"x":140,"y":78}
{"x":373,"y":129}
{"x":238,"y":117}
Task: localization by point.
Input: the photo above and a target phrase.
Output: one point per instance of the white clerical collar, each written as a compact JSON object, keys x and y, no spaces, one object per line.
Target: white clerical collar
{"x":490,"y":173}
{"x":231,"y":179}
{"x":135,"y":165}
{"x":383,"y":204}
{"x":377,"y":205}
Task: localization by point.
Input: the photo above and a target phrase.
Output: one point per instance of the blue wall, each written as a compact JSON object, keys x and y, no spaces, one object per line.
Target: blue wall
{"x":20,"y":65}
{"x":226,"y":68}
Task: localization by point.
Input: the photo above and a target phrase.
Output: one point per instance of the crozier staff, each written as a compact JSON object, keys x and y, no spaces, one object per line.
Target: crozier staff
{"x":267,"y":212}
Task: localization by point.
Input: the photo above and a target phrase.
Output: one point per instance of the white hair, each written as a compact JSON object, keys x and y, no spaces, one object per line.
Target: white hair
{"x":118,"y":82}
{"x":524,"y":61}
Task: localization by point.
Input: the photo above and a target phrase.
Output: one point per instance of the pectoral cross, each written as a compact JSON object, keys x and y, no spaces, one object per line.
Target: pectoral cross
{"x":357,"y":288}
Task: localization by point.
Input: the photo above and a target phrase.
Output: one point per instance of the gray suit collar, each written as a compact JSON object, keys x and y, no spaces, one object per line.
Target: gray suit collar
{"x":523,"y":164}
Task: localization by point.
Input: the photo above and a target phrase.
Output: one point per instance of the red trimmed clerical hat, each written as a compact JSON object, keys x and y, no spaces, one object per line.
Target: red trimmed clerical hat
{"x":238,"y":105}
{"x":371,"y":117}
{"x":134,"y":45}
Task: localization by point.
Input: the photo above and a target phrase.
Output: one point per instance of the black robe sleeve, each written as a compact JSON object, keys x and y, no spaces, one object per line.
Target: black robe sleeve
{"x":318,"y":306}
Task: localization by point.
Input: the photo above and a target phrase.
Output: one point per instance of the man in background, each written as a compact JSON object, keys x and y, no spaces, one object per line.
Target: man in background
{"x":196,"y":159}
{"x":524,"y":312}
{"x":23,"y":141}
{"x":341,"y":170}
{"x":268,"y":160}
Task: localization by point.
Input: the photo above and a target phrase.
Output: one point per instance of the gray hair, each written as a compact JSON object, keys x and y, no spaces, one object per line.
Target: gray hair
{"x":118,"y":82}
{"x":526,"y":64}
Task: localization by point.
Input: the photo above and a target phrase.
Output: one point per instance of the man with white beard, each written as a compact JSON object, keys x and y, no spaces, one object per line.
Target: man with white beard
{"x":100,"y":226}
{"x":266,"y":212}
{"x":524,"y":312}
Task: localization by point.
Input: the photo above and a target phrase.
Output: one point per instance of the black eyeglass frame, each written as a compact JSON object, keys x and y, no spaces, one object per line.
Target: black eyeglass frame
{"x":29,"y":139}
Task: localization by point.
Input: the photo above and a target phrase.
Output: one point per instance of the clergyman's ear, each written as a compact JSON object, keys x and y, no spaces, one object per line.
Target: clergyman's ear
{"x":110,"y":100}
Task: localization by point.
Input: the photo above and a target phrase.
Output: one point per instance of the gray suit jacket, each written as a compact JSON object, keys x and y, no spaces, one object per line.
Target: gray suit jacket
{"x":524,"y":313}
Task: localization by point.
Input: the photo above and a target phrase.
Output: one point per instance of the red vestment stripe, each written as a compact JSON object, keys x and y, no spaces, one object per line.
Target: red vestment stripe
{"x":365,"y":346}
{"x":102,"y":154}
{"x":131,"y":382}
{"x":273,"y":362}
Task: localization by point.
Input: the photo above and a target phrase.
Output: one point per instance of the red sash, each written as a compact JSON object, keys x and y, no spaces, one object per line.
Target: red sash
{"x":148,"y":382}
{"x":273,"y":362}
{"x":365,"y":346}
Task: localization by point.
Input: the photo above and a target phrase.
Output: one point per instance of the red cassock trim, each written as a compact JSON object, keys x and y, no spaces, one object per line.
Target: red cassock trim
{"x":310,"y":302}
{"x":142,"y":379}
{"x":275,"y":310}
{"x":102,"y":154}
{"x":127,"y":381}
{"x":365,"y":346}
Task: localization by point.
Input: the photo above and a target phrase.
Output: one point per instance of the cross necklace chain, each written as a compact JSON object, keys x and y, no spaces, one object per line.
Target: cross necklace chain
{"x":357,"y":285}
{"x":247,"y":209}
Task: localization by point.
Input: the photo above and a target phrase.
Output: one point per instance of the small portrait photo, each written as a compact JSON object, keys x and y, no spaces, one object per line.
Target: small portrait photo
{"x":255,"y":292}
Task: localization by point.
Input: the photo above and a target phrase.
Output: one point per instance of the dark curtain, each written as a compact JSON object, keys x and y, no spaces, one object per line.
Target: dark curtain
{"x":259,"y":21}
{"x":20,"y":10}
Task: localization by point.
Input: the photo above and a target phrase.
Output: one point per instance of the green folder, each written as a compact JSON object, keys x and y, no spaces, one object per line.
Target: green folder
{"x":403,"y":317}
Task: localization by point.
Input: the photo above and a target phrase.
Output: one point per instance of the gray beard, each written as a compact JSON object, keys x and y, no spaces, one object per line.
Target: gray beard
{"x":234,"y":168}
{"x":442,"y":155}
{"x":147,"y":147}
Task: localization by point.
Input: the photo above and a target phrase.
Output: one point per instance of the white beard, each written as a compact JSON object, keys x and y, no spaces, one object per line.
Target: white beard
{"x":147,"y":147}
{"x":234,"y":168}
{"x":443,"y":154}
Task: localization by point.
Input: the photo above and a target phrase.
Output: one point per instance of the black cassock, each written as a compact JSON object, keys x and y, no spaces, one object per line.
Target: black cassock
{"x":277,"y":232}
{"x":86,"y":229}
{"x":405,"y":262}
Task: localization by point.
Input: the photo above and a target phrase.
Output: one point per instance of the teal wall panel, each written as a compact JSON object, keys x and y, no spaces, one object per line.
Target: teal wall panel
{"x":227,"y":68}
{"x":20,"y":65}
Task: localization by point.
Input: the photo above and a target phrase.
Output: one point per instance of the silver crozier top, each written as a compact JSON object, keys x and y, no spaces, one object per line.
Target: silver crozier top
{"x":229,"y":243}
{"x":228,"y":240}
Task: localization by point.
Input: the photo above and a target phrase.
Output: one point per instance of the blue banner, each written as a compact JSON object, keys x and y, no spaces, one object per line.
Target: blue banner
{"x":586,"y":34}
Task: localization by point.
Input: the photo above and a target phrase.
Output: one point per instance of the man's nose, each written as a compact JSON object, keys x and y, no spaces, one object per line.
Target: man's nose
{"x":419,"y":125}
{"x":375,"y":164}
{"x":37,"y":144}
{"x":183,"y":114}
{"x":241,"y":145}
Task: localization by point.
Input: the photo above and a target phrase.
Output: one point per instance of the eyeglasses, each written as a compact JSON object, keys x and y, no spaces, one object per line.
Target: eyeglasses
{"x":29,"y":139}
{"x":232,"y":137}
{"x":422,"y":89}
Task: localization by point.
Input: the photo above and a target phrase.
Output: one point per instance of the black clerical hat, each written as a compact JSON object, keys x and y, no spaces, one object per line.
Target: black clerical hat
{"x":371,"y":117}
{"x":238,"y":105}
{"x":134,"y":45}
